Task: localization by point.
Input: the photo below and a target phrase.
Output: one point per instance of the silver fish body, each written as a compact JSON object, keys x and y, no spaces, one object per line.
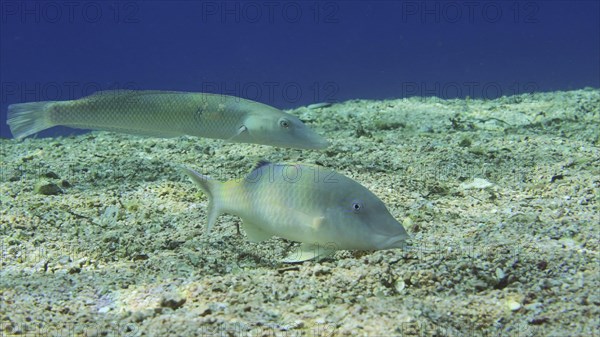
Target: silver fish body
{"x":168,"y":114}
{"x":318,"y":207}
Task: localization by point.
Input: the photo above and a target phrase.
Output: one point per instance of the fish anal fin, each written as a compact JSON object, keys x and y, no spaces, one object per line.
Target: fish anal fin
{"x":254,"y":233}
{"x":131,"y":131}
{"x":309,"y":251}
{"x":213,"y":214}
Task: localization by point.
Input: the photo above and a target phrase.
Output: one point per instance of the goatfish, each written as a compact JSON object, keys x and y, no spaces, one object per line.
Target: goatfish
{"x":323,"y":210}
{"x":168,"y":114}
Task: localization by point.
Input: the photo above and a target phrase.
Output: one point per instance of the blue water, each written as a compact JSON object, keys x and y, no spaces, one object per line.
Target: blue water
{"x":295,"y":53}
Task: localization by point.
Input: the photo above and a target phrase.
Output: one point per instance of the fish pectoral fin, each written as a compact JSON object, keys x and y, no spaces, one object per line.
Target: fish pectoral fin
{"x":314,"y":222}
{"x":317,"y":222}
{"x":308,"y":251}
{"x":240,"y":131}
{"x":254,"y":233}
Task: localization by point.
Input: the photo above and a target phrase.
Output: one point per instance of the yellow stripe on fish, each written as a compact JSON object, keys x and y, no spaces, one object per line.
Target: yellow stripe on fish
{"x":168,"y":114}
{"x":322,"y":209}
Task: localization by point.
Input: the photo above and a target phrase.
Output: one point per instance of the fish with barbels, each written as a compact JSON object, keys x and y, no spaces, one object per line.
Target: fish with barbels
{"x":168,"y":114}
{"x":324,"y":210}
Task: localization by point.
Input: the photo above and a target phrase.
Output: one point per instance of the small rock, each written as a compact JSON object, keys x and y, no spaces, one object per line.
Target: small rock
{"x":513,"y":305}
{"x":499,"y":274}
{"x":141,"y":315}
{"x":536,"y":307}
{"x":319,"y":270}
{"x":173,"y":302}
{"x":477,"y":183}
{"x":41,"y":266}
{"x":64,"y":259}
{"x":305,"y":308}
{"x":400,"y":285}
{"x":47,"y":188}
{"x":204,"y":311}
{"x":539,"y":320}
{"x":103,"y":310}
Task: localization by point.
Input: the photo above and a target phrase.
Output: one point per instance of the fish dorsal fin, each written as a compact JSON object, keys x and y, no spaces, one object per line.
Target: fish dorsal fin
{"x":112,"y":92}
{"x":260,"y":164}
{"x":130,"y":96}
{"x":133,"y":92}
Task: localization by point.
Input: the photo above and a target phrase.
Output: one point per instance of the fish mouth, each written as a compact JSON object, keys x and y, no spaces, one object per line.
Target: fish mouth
{"x":305,"y":146}
{"x":398,"y":241}
{"x":312,"y":141}
{"x":319,"y":143}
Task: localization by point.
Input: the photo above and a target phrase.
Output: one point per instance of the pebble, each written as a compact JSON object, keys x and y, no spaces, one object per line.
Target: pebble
{"x":319,"y":270}
{"x":477,"y":183}
{"x":499,"y":274}
{"x":103,"y":310}
{"x":534,"y":306}
{"x":400,"y":285}
{"x":172,"y":301}
{"x":204,"y":310}
{"x":513,"y":305}
{"x":47,"y":188}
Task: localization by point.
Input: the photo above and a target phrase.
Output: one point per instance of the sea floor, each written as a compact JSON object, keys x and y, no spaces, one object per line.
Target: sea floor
{"x":102,"y":235}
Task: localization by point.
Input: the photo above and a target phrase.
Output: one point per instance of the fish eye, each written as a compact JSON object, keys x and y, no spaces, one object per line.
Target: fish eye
{"x":356,"y":207}
{"x":284,"y":123}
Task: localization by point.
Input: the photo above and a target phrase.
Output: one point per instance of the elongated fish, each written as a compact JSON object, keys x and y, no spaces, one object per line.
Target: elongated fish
{"x":168,"y":114}
{"x":320,"y":208}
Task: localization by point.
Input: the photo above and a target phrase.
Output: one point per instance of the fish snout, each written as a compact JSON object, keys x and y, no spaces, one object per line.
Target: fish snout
{"x":316,"y":141}
{"x":395,"y":236}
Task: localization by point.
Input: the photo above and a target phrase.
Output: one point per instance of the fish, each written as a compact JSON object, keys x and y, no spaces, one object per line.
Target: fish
{"x":168,"y":114}
{"x":319,"y":105}
{"x":323,"y":210}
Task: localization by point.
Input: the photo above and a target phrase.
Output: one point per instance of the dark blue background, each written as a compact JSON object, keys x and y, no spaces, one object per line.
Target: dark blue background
{"x":294,"y":53}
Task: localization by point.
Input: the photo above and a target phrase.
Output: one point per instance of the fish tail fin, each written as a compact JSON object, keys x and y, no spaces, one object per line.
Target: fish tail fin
{"x":208,"y":186}
{"x":25,"y":119}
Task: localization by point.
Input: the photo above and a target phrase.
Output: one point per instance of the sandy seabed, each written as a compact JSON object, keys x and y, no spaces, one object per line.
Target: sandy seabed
{"x":102,"y":235}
